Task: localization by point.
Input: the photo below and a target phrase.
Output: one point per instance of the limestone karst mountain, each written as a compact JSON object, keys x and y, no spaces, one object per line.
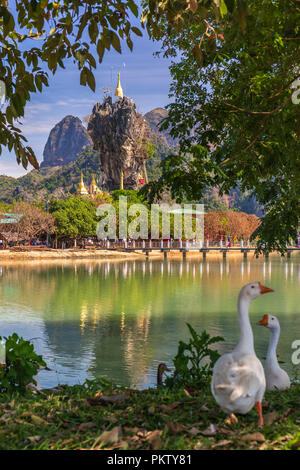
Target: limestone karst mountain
{"x":120,"y":136}
{"x":66,"y":140}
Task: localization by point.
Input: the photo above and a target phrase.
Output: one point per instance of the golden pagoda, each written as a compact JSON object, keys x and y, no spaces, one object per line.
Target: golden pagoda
{"x":119,"y":91}
{"x":82,"y":191}
{"x":93,"y":188}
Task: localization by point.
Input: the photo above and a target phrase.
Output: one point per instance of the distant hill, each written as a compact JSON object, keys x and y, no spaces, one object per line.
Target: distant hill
{"x":66,"y":140}
{"x":55,"y":181}
{"x":154,"y":119}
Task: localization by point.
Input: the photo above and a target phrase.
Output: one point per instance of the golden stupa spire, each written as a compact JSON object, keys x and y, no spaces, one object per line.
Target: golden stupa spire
{"x":82,"y":191}
{"x":119,"y":91}
{"x":94,"y":189}
{"x":93,"y":180}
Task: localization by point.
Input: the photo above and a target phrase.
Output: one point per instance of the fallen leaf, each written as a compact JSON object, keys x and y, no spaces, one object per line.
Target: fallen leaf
{"x":263,"y":446}
{"x":26,"y":414}
{"x":170,"y":407}
{"x":119,"y":445}
{"x":5,"y":417}
{"x":66,"y":441}
{"x":110,"y":399}
{"x":34,"y":438}
{"x":131,"y":430}
{"x":279,"y":439}
{"x":175,"y":428}
{"x":221,"y":444}
{"x":256,"y":436}
{"x":38,"y":421}
{"x":269,"y":418}
{"x":110,"y":437}
{"x":193,"y":431}
{"x":154,"y":439}
{"x":20,"y":421}
{"x":111,"y":419}
{"x":224,"y":430}
{"x":84,"y":426}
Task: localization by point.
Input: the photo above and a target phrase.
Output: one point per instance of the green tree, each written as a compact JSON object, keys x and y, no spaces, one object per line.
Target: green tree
{"x":75,"y":218}
{"x":233,"y":112}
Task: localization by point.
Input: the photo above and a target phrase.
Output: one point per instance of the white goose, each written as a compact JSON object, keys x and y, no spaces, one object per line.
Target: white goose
{"x":238,"y":381}
{"x":276,"y":378}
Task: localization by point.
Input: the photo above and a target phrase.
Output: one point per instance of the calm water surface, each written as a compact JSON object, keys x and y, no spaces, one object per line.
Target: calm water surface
{"x":120,"y":319}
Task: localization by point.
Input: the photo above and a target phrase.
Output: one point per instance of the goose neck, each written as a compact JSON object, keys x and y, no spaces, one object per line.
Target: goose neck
{"x":271,"y":354}
{"x":246,"y":343}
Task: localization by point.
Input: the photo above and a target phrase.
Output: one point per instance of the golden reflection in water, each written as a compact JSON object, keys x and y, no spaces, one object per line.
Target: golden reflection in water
{"x":137,"y":361}
{"x":83,"y":317}
{"x":122,"y":322}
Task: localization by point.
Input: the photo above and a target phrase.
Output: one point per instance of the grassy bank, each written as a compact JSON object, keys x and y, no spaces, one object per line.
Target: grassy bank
{"x":98,"y":415}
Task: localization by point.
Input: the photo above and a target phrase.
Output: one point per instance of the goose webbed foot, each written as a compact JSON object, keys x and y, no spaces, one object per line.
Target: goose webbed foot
{"x":231,"y":419}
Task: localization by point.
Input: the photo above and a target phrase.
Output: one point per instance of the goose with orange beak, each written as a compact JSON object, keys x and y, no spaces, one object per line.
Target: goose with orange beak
{"x":276,"y":378}
{"x":238,"y":381}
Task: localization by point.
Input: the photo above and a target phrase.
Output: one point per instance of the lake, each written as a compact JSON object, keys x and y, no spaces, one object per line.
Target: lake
{"x":121,"y":319}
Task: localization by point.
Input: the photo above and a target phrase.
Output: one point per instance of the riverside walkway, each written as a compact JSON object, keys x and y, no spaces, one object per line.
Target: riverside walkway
{"x":165,"y":247}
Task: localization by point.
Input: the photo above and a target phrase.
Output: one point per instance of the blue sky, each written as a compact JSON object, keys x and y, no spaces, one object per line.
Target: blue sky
{"x":144,"y":78}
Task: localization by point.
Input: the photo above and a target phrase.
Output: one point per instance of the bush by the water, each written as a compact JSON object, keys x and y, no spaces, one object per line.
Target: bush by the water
{"x":22,"y":364}
{"x":194,"y":360}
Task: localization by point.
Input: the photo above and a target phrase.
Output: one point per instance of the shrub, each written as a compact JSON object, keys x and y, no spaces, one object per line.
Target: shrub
{"x":194,"y":360}
{"x":22,"y":364}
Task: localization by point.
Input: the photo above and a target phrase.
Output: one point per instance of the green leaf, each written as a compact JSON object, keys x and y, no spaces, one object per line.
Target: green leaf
{"x":136,"y":31}
{"x":198,"y":55}
{"x":133,"y":7}
{"x":100,"y":50}
{"x":91,"y":80}
{"x":83,"y":76}
{"x":223,"y":8}
{"x":116,"y":42}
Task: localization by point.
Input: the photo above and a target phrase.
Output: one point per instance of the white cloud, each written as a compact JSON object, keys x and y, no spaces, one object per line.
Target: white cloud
{"x":11,"y":168}
{"x":36,"y":129}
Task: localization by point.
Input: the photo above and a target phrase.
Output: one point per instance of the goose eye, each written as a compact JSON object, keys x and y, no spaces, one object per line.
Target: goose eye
{"x":252,"y":287}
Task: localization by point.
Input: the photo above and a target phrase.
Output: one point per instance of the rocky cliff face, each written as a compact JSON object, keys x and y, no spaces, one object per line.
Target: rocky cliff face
{"x":65,"y":141}
{"x":120,"y":137}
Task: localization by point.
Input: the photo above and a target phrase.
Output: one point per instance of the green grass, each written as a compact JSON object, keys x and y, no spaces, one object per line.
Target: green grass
{"x":98,"y":415}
